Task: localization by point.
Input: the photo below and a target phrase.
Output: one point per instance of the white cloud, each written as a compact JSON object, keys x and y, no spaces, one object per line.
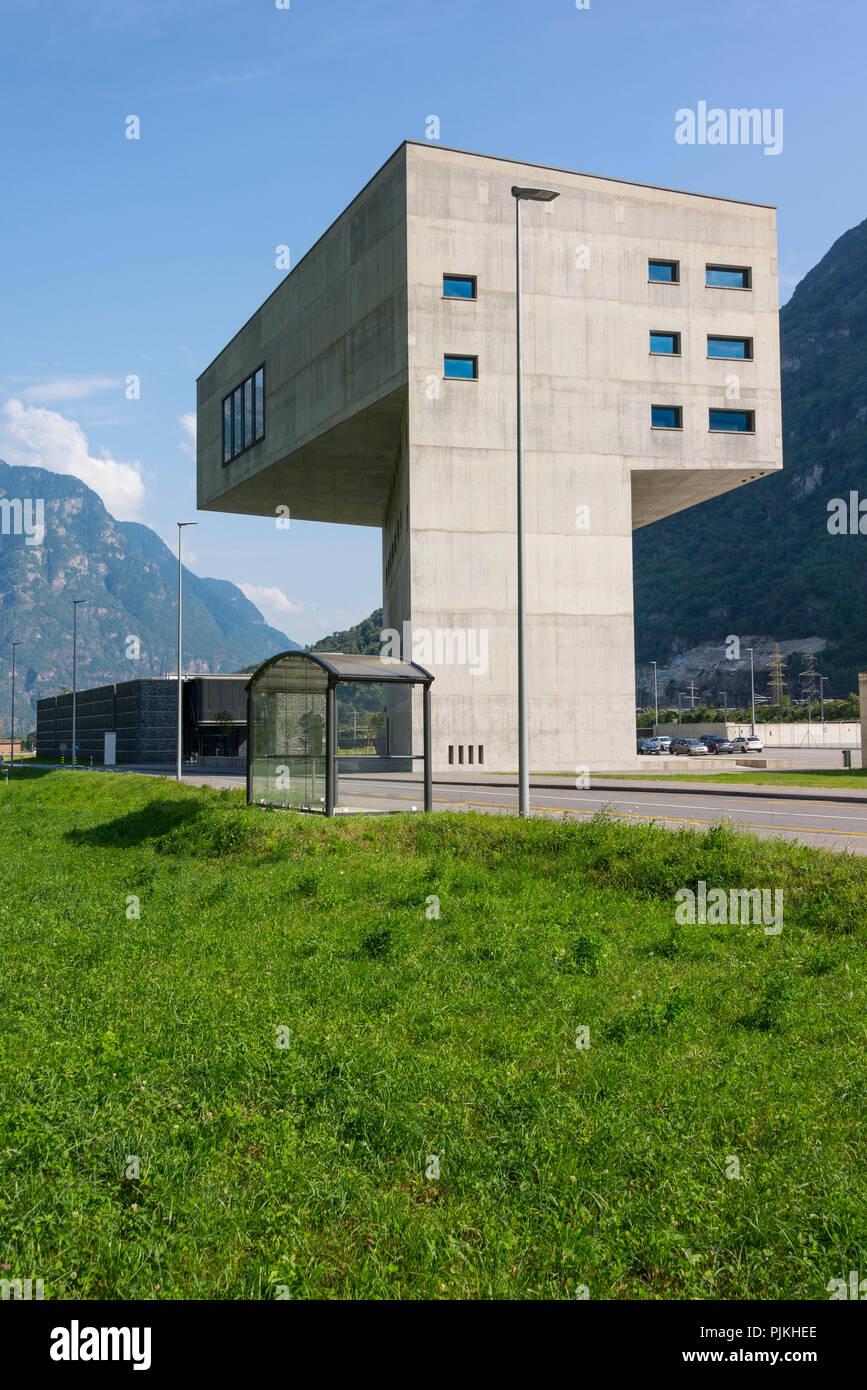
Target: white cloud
{"x":188,"y":425}
{"x":37,"y":438}
{"x":273,"y":604}
{"x":70,"y":388}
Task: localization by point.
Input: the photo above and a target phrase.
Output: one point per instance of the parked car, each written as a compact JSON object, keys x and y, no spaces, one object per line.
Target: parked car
{"x":688,"y":747}
{"x":664,"y":742}
{"x":748,"y":744}
{"x":717,"y":743}
{"x":647,"y":746}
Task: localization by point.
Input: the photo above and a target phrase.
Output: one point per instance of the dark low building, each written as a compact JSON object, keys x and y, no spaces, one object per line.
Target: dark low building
{"x":142,"y":715}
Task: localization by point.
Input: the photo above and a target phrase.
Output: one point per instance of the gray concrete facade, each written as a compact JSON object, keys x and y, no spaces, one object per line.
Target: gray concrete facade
{"x":362,"y":426}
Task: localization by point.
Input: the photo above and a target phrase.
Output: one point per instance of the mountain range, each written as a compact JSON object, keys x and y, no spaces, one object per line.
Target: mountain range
{"x":128,"y":577}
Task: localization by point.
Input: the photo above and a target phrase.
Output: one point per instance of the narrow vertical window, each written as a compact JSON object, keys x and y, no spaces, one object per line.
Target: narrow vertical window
{"x":227,"y":429}
{"x":248,"y":412}
{"x":237,"y":421}
{"x":260,"y":403}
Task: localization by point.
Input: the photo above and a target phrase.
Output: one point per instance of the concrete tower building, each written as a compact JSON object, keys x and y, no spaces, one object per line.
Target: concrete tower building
{"x":376,"y":386}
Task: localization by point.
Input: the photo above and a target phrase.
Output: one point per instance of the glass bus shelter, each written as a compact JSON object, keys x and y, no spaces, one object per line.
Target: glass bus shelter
{"x":292,"y":725}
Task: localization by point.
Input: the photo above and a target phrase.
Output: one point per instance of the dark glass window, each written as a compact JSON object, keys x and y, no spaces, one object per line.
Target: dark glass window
{"x":459,"y":286}
{"x":730,"y":347}
{"x":665,"y":272}
{"x":227,"y":429}
{"x":733,"y":421}
{"x":461,"y":368}
{"x":244,"y":415}
{"x":248,"y":412}
{"x":260,"y":402}
{"x":237,"y":420}
{"x":666,"y":343}
{"x":666,"y":417}
{"x":729,"y":277}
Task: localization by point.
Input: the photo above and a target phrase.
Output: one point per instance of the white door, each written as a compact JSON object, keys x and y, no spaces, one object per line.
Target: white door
{"x":110,"y":754}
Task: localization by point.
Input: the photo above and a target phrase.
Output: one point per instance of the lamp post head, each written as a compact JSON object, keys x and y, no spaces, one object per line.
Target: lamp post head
{"x":534,"y":195}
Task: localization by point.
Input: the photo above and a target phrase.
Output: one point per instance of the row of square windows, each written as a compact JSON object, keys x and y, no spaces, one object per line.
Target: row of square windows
{"x":466,"y":367}
{"x":662,"y":417}
{"x":243,"y":408}
{"x":716,"y":277}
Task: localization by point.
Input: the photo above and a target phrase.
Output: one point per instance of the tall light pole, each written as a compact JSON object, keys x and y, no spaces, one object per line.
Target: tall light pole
{"x":181,"y":525}
{"x":12,"y":723}
{"x":655,"y":699}
{"x":533,"y":195}
{"x":752,"y":692}
{"x":75,"y":603}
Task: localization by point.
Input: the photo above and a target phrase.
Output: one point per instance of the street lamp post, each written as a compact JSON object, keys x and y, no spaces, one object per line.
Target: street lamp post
{"x":181,"y":525}
{"x":655,"y":699}
{"x":536,"y":195}
{"x":75,"y":603}
{"x":752,"y":692}
{"x":12,"y":722}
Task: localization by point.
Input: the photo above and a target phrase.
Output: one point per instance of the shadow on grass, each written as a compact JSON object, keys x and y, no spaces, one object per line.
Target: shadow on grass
{"x":20,"y":773}
{"x":152,"y":822}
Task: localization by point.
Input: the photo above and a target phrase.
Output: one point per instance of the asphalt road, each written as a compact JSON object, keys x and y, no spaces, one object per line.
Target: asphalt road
{"x":812,"y":820}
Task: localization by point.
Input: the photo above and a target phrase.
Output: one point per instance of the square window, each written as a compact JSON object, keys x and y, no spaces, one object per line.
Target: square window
{"x":665,"y":344}
{"x":664,"y":272}
{"x":666,"y":417}
{"x":732,"y":421}
{"x":459,"y":287}
{"x":741,"y":348}
{"x":460,"y":368}
{"x":729,"y":277}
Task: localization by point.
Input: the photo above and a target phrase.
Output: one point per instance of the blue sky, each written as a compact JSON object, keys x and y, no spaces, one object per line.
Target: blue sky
{"x":143,"y":257}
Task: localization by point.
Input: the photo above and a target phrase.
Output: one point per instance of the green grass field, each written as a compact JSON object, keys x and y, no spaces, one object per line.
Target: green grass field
{"x":301,"y":1170}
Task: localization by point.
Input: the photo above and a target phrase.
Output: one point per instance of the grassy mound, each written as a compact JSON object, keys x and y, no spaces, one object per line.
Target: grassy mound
{"x":235,"y":1042}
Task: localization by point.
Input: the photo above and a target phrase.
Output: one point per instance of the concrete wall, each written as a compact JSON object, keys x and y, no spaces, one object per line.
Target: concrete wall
{"x":828,"y":735}
{"x":590,"y":382}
